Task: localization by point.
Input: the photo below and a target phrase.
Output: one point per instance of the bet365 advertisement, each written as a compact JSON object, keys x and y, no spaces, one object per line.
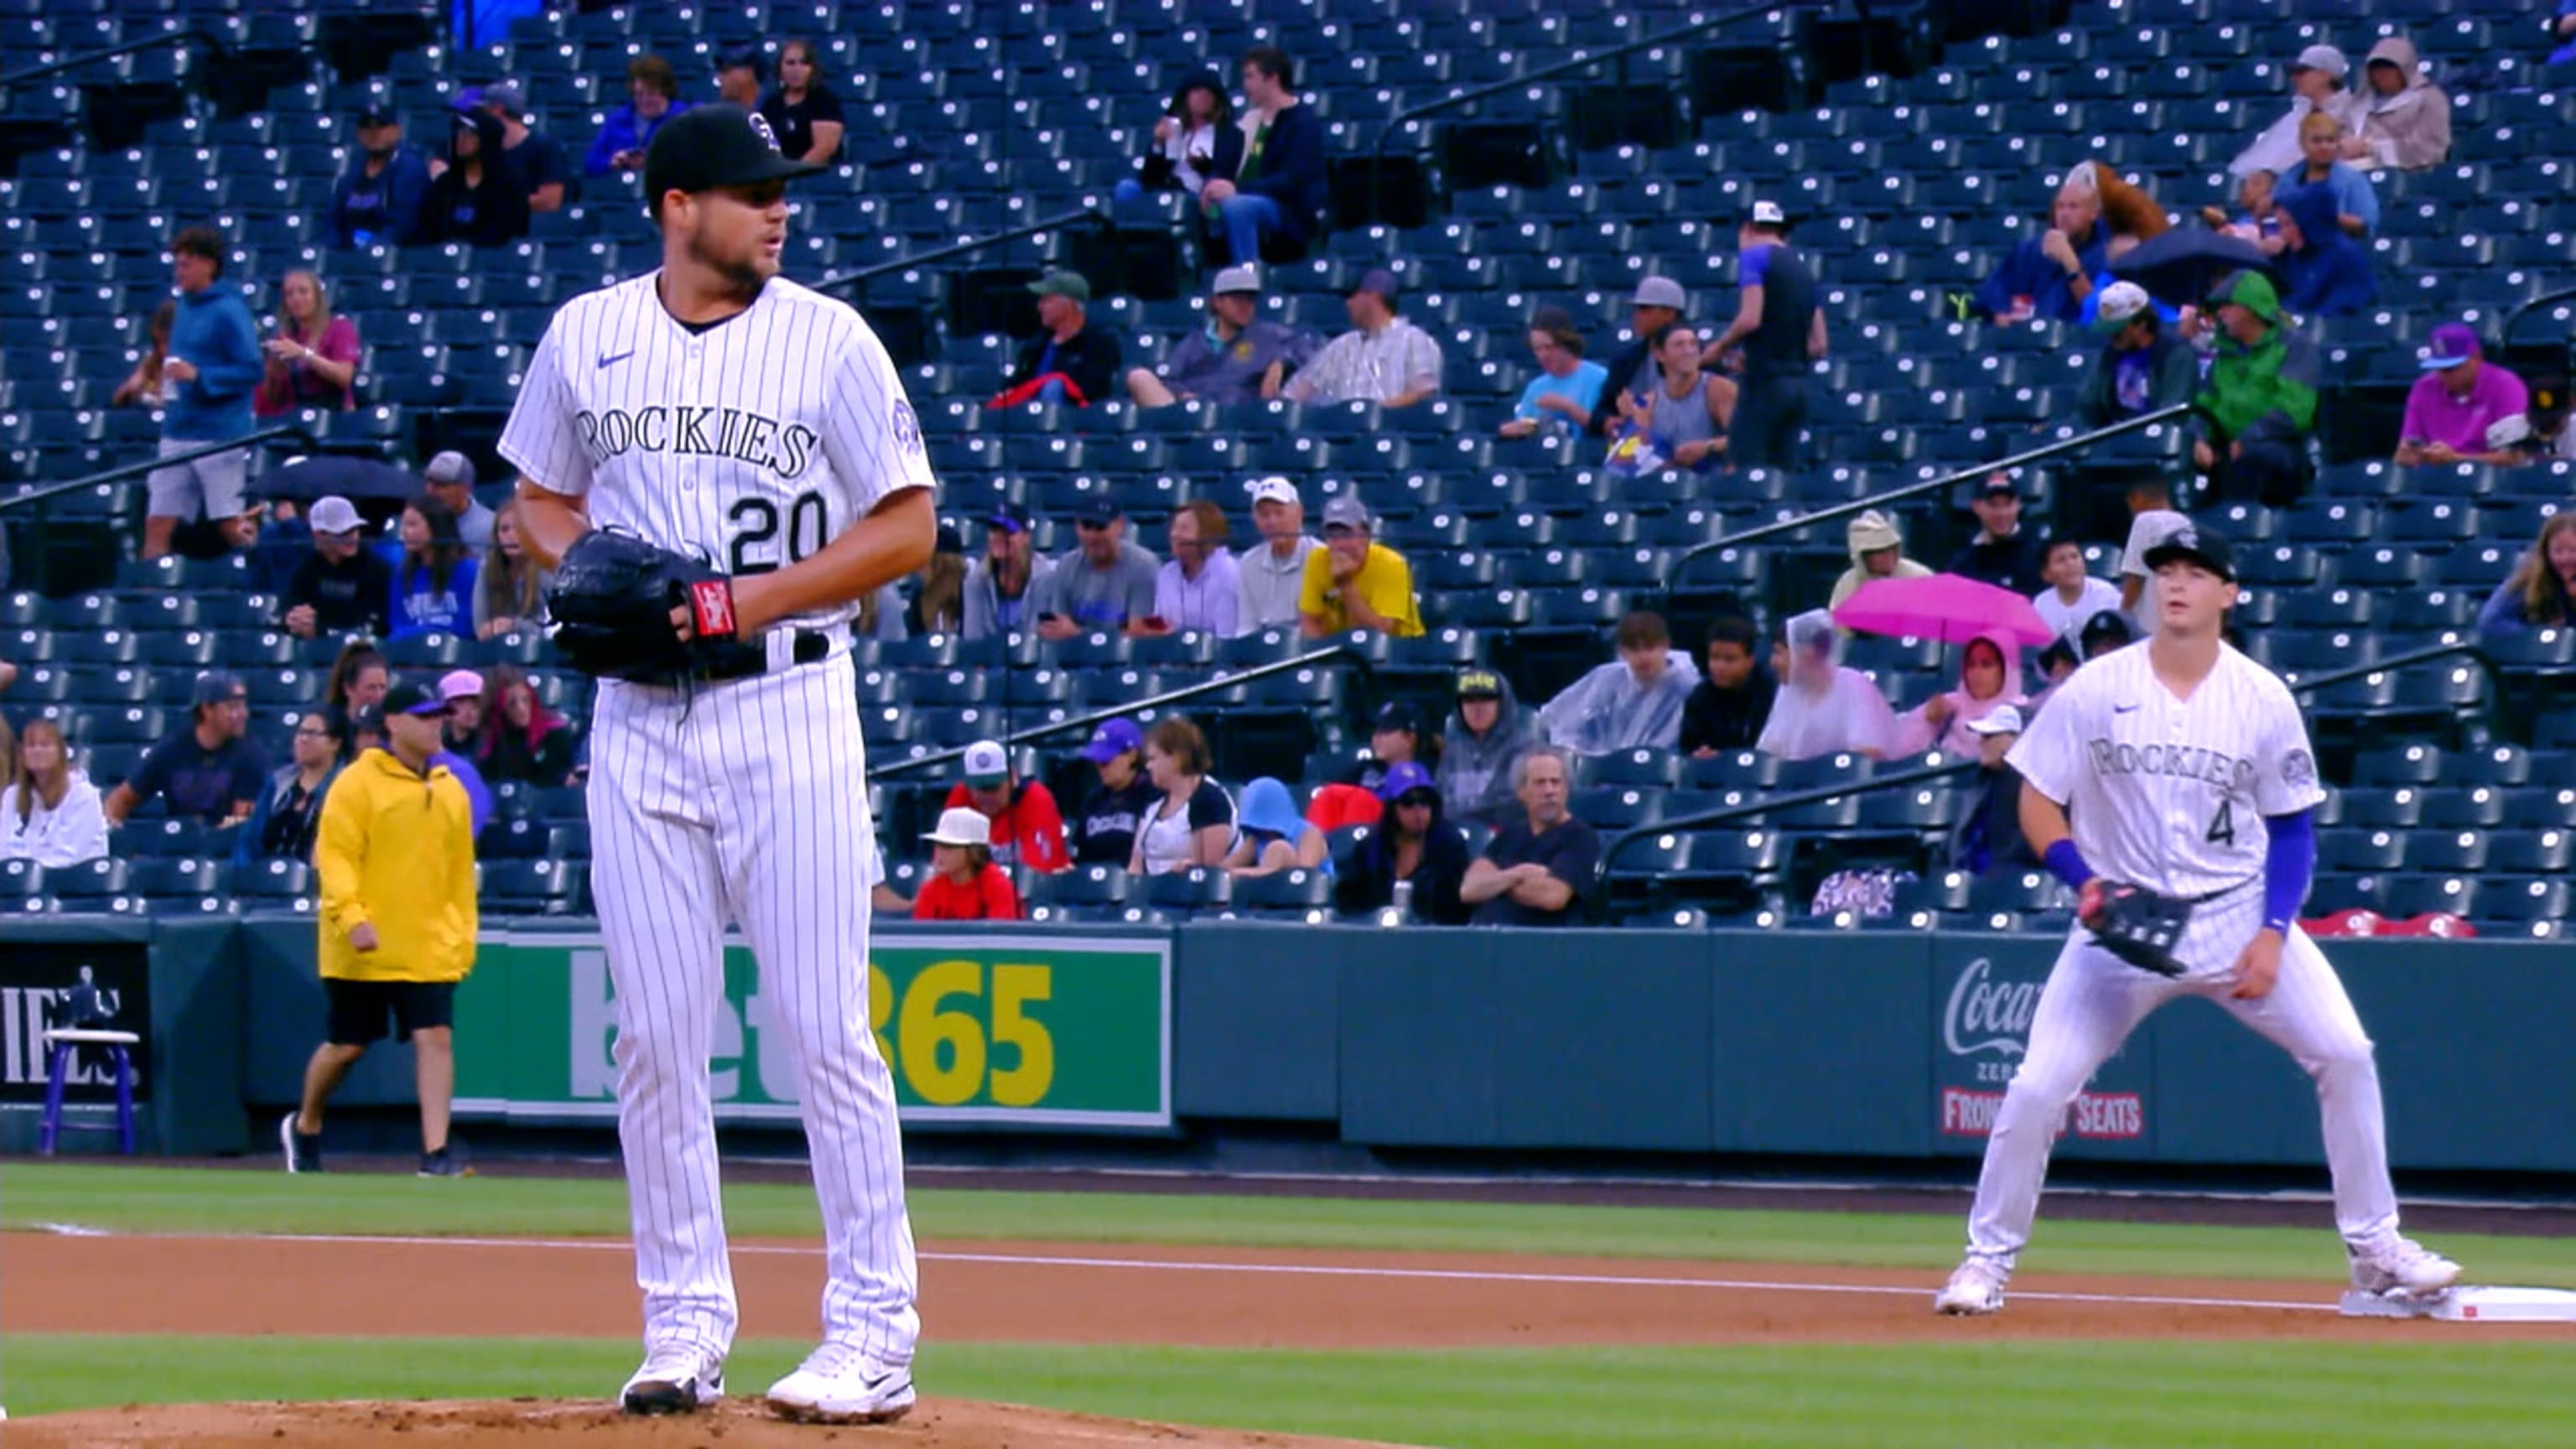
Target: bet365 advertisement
{"x":1000,"y":1027}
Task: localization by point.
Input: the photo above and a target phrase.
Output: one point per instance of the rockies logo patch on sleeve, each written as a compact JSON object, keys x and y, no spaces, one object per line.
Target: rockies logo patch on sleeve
{"x":907,"y":427}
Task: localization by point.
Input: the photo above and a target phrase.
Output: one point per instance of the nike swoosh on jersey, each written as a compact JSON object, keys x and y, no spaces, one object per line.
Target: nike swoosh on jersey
{"x":2124,"y":709}
{"x":606,"y":361}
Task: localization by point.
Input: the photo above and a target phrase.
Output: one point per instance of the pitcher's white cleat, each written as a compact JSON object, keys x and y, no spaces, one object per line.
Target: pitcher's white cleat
{"x":837,"y":1384}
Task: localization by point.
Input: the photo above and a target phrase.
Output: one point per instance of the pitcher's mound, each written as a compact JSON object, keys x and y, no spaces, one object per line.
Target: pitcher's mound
{"x":530,"y":1423}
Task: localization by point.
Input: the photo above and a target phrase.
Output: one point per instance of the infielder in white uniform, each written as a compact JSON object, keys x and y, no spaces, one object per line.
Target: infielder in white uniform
{"x":2183,"y":768}
{"x":718,"y":411}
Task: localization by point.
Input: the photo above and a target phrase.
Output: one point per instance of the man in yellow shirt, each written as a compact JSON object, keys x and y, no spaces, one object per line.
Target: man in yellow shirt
{"x":1355,"y":582}
{"x":396,"y":857}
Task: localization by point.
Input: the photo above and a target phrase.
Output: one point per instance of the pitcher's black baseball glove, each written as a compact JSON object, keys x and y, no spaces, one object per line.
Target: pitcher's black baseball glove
{"x":611,"y":601}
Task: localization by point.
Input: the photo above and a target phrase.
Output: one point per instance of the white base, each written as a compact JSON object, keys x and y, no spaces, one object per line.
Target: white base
{"x":2469,"y":1305}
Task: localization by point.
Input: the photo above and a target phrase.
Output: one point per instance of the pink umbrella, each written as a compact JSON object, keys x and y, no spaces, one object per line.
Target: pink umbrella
{"x":1949,"y":607}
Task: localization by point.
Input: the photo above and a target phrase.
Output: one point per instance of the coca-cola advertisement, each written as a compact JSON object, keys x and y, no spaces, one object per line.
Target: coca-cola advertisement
{"x":1991,"y":993}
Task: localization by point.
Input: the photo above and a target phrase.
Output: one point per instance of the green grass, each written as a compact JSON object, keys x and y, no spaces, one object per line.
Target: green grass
{"x":1992,"y":1396}
{"x":178,"y":1200}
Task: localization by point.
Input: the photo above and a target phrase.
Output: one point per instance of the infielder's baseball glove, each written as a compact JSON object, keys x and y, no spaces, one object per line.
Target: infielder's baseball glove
{"x":611,"y":601}
{"x":2138,"y":926}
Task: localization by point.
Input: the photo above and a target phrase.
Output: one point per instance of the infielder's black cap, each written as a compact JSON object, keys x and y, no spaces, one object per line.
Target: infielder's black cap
{"x":710,"y":146}
{"x":2195,"y":544}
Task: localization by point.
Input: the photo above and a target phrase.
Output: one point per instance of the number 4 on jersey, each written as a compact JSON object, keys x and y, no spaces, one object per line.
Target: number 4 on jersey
{"x":2222,"y":826}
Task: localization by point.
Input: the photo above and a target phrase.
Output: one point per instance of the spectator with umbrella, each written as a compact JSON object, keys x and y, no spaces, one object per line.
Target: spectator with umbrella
{"x":1993,"y":623}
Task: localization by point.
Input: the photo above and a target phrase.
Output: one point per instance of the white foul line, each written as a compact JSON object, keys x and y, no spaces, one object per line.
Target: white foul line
{"x":1311,"y":1270}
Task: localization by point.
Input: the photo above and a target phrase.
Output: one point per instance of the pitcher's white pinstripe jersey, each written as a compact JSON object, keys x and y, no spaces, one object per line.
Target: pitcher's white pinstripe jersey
{"x":750,"y":444}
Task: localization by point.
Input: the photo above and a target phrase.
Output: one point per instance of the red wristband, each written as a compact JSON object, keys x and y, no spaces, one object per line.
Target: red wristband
{"x":711,"y":608}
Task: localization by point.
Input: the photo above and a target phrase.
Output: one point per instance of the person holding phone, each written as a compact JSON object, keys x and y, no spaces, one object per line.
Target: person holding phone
{"x":1105,"y":584}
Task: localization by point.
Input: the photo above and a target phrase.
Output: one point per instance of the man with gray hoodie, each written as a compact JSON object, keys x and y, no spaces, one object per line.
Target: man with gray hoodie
{"x":1486,"y":736}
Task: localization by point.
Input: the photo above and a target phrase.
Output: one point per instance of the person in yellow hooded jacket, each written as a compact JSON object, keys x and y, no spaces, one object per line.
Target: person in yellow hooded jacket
{"x":398,"y":919}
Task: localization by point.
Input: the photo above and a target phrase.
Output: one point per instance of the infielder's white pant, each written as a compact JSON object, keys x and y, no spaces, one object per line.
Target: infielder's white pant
{"x":2093,"y":1000}
{"x":746,"y":801}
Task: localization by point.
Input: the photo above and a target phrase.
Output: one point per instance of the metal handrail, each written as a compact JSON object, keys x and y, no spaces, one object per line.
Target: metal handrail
{"x":1086,"y":722}
{"x":873,"y":270}
{"x":2504,"y":335}
{"x":1746,"y":810}
{"x":1581,"y":62}
{"x":210,"y":40}
{"x":2081,"y":441}
{"x":123,"y":471}
{"x":1749,"y":809}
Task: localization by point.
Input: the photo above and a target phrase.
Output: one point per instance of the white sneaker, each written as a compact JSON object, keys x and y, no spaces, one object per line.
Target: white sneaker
{"x":1974,"y":1291}
{"x":677,"y":1378}
{"x":2400,"y":1265}
{"x":837,"y":1384}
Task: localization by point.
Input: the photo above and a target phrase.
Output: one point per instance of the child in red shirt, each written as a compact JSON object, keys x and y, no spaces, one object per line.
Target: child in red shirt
{"x":964,"y":883}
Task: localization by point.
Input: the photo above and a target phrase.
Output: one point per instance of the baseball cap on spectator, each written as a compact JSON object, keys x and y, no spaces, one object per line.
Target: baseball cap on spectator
{"x":2325,"y":58}
{"x":1273,"y":490}
{"x":1395,"y":714}
{"x":961,"y":826}
{"x":1009,"y":518}
{"x":1062,"y":284}
{"x":450,"y":467}
{"x":377,"y":114}
{"x":506,"y":95}
{"x":2004,"y":721}
{"x":468,"y":99}
{"x":1345,"y":511}
{"x":2199,"y":545}
{"x":216,"y":686}
{"x":2106,"y":624}
{"x":1995,"y":483}
{"x":1241,"y":278}
{"x":1479,"y":684}
{"x":413,"y":699}
{"x":1099,"y":512}
{"x":2120,"y":305}
{"x":1769,"y":213}
{"x":1378,"y":280}
{"x":458,"y":684}
{"x":334,"y":514}
{"x":1871,"y":532}
{"x":740,"y":57}
{"x":1660,"y":292}
{"x":1113,"y":738}
{"x":986,"y":765}
{"x":2452,"y":343}
{"x":1403,"y":780}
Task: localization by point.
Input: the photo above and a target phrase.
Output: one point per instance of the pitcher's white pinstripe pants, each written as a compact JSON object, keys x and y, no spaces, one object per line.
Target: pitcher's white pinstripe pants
{"x":746,"y":801}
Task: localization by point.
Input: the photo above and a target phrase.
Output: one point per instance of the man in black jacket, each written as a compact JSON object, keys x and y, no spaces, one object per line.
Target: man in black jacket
{"x":342,"y":586}
{"x":1733,"y":701}
{"x":1066,"y":350}
{"x":2003,"y":553}
{"x":1270,"y":182}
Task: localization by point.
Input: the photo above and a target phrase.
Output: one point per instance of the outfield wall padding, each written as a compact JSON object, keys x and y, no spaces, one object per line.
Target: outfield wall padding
{"x":1786,"y":1043}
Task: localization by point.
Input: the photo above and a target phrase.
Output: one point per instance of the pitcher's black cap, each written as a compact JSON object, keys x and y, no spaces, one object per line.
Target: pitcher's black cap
{"x":715,"y":145}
